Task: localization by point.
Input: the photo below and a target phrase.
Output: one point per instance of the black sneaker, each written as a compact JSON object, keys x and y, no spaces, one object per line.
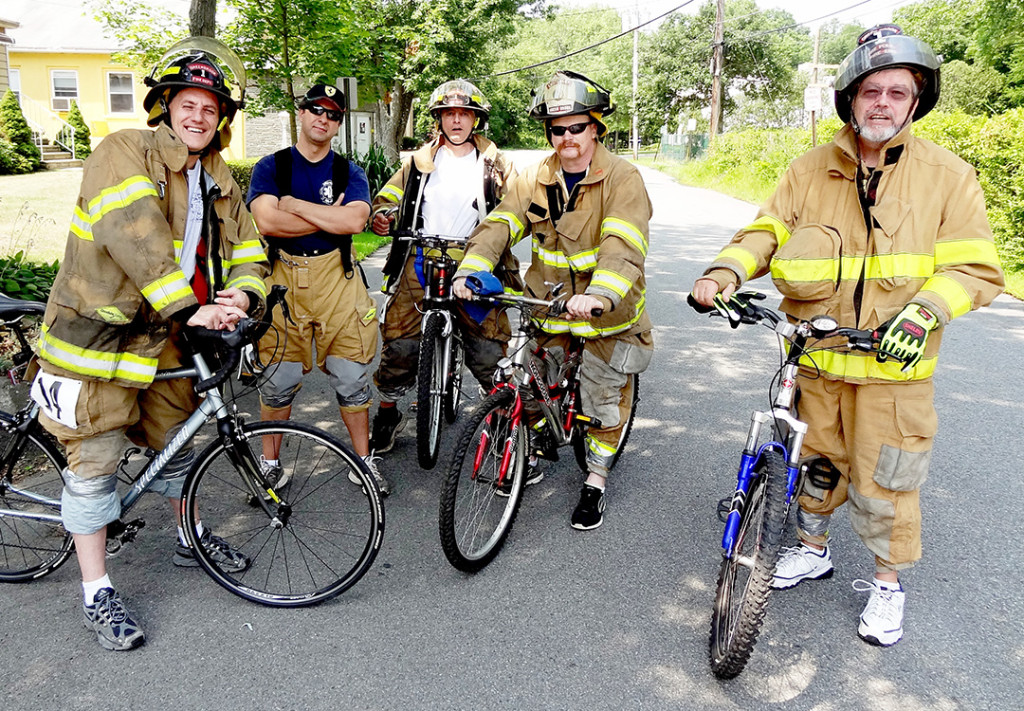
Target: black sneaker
{"x":227,"y":558}
{"x":274,"y":476}
{"x":534,"y":474}
{"x":589,"y":513}
{"x":386,"y":425}
{"x":109,"y":619}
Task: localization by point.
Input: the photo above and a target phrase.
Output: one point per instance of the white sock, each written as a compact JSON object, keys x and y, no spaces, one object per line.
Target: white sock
{"x":273,"y":462}
{"x":886,"y":585}
{"x":181,"y":533}
{"x":90,"y":589}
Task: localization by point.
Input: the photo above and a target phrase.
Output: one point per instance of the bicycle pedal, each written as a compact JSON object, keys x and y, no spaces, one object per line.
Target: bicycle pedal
{"x":588,"y":421}
{"x":724,"y":507}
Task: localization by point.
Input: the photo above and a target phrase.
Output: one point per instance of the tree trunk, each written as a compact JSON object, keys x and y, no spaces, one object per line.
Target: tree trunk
{"x":202,"y":18}
{"x":391,"y":120}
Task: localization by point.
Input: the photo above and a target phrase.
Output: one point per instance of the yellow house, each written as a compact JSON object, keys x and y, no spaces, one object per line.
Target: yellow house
{"x":60,"y":54}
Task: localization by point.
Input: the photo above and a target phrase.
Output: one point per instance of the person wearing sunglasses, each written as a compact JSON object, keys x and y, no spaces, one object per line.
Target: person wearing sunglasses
{"x":308,"y":201}
{"x":883,"y":231}
{"x":445,"y":188}
{"x":587,"y":213}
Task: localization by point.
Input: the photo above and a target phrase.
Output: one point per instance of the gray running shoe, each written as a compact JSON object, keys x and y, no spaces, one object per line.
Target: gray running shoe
{"x":382,"y":483}
{"x":227,"y":558}
{"x":109,"y":619}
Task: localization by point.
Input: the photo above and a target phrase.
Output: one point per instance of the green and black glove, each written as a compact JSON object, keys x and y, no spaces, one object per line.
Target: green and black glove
{"x":907,"y":335}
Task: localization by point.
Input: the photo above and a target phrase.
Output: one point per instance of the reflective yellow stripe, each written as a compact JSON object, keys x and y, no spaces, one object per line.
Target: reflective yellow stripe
{"x":583,"y":261}
{"x":585,"y":329}
{"x":627,"y":231}
{"x":391,"y":193}
{"x":475,"y":263}
{"x":515,"y":227}
{"x":767,"y":223}
{"x":805,"y":270}
{"x":120,"y":196}
{"x":553,"y":258}
{"x":966,"y":251}
{"x":85,"y":361}
{"x":612,"y":281}
{"x":950,"y":291}
{"x":166,"y":290}
{"x":739,"y":254}
{"x":888,"y":266}
{"x":249,"y":282}
{"x":600,"y":448}
{"x":246,"y":252}
{"x":864,"y":366}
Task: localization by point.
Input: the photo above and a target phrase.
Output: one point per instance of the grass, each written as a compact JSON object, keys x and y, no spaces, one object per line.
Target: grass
{"x":36,"y":209}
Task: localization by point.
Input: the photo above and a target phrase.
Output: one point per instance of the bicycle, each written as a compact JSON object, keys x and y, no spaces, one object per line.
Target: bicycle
{"x":441,"y":355}
{"x":769,"y":477}
{"x":482,"y":488}
{"x":305,"y":544}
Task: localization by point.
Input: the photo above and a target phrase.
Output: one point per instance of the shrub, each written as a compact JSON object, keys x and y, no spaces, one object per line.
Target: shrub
{"x":22,"y":279}
{"x":377,"y":166}
{"x":15,"y":129}
{"x":83,"y":144}
{"x":12,"y":162}
{"x":241,"y":171}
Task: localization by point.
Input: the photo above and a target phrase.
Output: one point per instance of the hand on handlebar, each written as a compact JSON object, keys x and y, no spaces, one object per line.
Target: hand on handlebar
{"x":460,"y":289}
{"x":583,"y":306}
{"x":705,"y":290}
{"x":233,"y":297}
{"x":217,"y":317}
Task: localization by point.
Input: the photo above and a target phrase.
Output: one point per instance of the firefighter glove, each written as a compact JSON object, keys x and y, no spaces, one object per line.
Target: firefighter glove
{"x":907,"y":335}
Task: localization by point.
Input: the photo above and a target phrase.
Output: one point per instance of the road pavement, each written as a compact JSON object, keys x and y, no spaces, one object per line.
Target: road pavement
{"x":616,"y":618}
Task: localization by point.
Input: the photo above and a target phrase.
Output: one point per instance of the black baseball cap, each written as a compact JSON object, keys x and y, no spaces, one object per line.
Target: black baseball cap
{"x":319,"y":92}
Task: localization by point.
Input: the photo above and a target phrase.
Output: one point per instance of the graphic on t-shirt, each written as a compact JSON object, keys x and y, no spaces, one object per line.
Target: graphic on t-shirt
{"x":327,"y":192}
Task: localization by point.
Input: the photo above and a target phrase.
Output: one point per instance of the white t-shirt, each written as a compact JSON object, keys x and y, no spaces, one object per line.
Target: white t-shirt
{"x":193,"y":223}
{"x":449,"y":194}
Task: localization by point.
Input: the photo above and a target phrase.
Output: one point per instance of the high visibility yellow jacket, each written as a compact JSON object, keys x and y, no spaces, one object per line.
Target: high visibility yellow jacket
{"x":597,"y":246}
{"x":930,"y":244}
{"x":108,"y":316}
{"x":405,"y":189}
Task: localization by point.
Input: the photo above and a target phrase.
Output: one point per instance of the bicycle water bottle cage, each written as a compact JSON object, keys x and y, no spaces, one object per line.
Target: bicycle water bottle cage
{"x":822,"y":473}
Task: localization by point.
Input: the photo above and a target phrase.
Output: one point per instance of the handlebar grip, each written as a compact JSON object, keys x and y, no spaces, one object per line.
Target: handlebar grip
{"x":596,"y":311}
{"x":697,"y":306}
{"x":234,"y":340}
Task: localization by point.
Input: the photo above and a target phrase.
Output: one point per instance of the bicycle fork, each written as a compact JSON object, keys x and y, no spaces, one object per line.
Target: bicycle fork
{"x":510,"y":445}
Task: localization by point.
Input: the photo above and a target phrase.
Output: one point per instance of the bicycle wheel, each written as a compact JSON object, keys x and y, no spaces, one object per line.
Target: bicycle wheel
{"x":316,"y":544}
{"x":453,"y":388}
{"x":30,"y":485}
{"x":579,"y":440}
{"x":745,"y":578}
{"x":478,"y":506}
{"x":430,"y":383}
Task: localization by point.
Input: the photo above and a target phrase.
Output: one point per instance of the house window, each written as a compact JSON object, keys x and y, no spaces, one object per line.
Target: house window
{"x":65,"y":89}
{"x":14,"y":75}
{"x":121,"y":88}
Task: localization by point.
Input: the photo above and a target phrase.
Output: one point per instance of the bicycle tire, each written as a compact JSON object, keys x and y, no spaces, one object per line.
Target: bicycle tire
{"x":30,"y":548}
{"x":741,"y":600}
{"x":430,"y":382}
{"x":453,"y":390}
{"x":325,"y":542}
{"x":579,"y":440}
{"x":474,"y":519}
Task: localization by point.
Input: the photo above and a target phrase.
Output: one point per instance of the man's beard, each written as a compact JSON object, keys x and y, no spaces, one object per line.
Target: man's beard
{"x":879,"y":135}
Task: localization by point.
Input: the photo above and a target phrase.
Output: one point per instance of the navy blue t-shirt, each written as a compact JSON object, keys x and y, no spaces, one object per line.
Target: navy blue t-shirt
{"x":312,"y":182}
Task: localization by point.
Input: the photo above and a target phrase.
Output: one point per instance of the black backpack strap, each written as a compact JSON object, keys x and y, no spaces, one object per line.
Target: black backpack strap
{"x":339,"y":182}
{"x":283,"y":171}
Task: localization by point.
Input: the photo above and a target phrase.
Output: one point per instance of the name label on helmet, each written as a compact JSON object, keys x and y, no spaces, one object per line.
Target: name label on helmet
{"x":562,"y":107}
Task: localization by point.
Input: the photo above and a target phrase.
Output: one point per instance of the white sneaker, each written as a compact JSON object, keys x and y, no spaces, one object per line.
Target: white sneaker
{"x":382,"y":483}
{"x":881,"y":623}
{"x":799,"y":563}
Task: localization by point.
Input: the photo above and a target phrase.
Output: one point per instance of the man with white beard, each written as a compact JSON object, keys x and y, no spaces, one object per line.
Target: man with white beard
{"x":885,"y":231}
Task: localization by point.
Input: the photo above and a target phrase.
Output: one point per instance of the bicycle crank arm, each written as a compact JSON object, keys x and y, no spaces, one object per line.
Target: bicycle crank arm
{"x":119,"y":533}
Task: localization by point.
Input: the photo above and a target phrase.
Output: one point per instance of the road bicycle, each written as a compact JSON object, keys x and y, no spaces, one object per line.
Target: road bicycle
{"x":305,"y":543}
{"x":441,"y":354}
{"x":770,"y":475}
{"x":483,"y":484}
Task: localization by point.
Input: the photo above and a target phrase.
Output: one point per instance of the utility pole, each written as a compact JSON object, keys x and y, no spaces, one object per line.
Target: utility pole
{"x":636,"y":82}
{"x":717,"y":58}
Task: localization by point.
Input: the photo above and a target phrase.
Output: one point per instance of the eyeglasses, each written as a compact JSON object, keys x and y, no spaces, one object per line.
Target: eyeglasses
{"x":575,"y":129}
{"x":318,"y":110}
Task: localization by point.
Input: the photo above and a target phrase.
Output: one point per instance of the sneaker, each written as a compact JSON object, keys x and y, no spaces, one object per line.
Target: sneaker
{"x":881,"y":623}
{"x":109,"y":619}
{"x":382,"y":483}
{"x":534,"y":474}
{"x":589,"y":512}
{"x":799,"y":563}
{"x":386,"y":425}
{"x":274,"y":476}
{"x":227,"y":558}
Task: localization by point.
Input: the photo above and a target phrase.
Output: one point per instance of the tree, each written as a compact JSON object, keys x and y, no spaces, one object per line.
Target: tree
{"x":202,"y":18}
{"x":971,"y":88}
{"x":947,"y":25}
{"x":144,"y":29}
{"x":82,"y":138}
{"x":837,"y":41}
{"x":1000,"y":44}
{"x":15,"y":130}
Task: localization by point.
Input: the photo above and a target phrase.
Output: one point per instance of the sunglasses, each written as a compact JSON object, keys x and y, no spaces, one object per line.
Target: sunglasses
{"x":575,"y":129}
{"x":318,"y":110}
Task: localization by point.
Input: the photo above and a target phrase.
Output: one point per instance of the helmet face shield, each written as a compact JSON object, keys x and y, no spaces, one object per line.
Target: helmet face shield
{"x":458,"y":93}
{"x":230,"y":84}
{"x":568,"y":94}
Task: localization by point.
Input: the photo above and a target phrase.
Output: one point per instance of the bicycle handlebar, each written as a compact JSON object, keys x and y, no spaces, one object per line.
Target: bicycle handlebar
{"x":555,"y":306}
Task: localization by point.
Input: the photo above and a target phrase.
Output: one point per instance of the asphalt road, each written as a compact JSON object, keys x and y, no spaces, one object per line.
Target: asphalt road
{"x":616,"y":618}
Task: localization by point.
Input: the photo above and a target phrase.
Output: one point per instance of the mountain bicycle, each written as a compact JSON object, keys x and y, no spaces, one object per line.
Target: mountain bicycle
{"x":441,"y":355}
{"x":305,"y":543}
{"x":483,"y":485}
{"x":769,"y":477}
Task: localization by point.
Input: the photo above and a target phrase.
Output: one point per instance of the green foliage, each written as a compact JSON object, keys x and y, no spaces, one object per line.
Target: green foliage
{"x":12,"y":162}
{"x":83,"y":145}
{"x":1000,"y":44}
{"x":378,"y":167}
{"x":145,"y":29}
{"x":947,"y":26}
{"x":22,"y":279}
{"x":241,"y":171}
{"x":971,"y":88}
{"x":837,"y":41}
{"x":15,"y":130}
